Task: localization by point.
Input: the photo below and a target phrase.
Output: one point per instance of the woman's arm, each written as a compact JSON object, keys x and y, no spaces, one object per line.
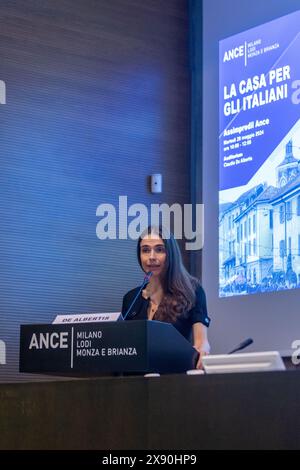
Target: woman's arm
{"x":200,"y":342}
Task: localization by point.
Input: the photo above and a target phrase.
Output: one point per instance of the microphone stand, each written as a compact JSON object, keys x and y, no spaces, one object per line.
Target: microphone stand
{"x":145,"y":282}
{"x":241,"y":346}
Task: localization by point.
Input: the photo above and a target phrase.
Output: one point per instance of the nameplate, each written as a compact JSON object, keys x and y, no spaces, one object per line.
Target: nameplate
{"x":87,"y":317}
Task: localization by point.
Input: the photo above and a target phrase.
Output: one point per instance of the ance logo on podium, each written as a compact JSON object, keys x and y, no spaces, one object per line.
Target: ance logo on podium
{"x":96,"y":343}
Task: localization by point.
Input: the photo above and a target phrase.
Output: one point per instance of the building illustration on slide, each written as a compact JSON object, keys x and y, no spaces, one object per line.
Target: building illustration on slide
{"x":259,"y":233}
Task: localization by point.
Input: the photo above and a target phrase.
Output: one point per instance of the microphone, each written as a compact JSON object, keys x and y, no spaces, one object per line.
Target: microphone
{"x":242,"y":345}
{"x":145,"y":282}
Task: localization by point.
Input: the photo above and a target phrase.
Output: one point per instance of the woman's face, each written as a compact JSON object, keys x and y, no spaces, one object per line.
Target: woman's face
{"x":153,"y":254}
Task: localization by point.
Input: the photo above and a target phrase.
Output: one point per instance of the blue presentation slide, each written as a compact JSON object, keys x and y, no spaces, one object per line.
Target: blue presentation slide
{"x":259,"y":159}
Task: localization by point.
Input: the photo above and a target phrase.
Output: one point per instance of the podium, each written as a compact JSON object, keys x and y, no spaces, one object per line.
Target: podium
{"x":88,"y":349}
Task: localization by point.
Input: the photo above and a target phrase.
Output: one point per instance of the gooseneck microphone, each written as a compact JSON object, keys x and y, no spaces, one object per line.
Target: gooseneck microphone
{"x":145,"y":282}
{"x":242,"y":345}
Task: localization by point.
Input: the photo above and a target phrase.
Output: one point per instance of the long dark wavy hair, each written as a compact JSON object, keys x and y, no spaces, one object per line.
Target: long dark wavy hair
{"x":178,"y":285}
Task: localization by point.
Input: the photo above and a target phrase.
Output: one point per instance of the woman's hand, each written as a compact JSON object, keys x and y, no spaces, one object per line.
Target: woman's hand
{"x":203,"y":350}
{"x":201,"y":343}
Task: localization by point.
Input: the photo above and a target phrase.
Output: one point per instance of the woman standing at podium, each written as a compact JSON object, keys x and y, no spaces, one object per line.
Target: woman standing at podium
{"x":169,"y":293}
